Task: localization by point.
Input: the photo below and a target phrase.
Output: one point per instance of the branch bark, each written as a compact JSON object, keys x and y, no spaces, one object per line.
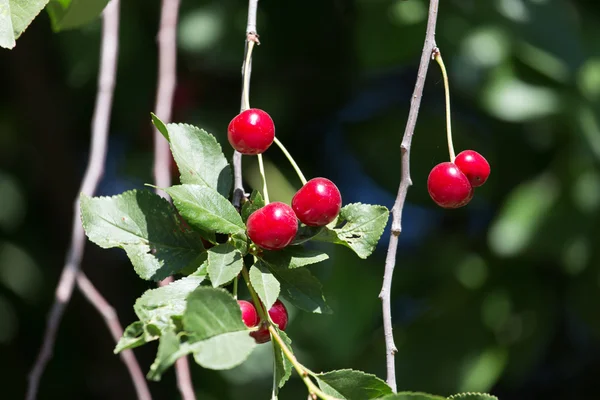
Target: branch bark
{"x":251,"y":36}
{"x":93,"y":174}
{"x":405,"y":183}
{"x":167,"y":80}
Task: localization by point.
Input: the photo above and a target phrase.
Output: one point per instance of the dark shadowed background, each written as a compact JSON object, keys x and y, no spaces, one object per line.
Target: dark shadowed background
{"x":501,"y":296}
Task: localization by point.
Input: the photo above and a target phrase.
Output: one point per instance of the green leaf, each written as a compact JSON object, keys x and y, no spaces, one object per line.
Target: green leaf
{"x":69,"y":14}
{"x":265,"y":284}
{"x":359,"y":227}
{"x":412,"y":396}
{"x":224,"y":351}
{"x":211,"y":312}
{"x":294,"y":257}
{"x":224,"y":264}
{"x":254,"y":203}
{"x":134,"y":335}
{"x":146,"y":227}
{"x":350,"y":384}
{"x":240,"y":242}
{"x":159,"y":306}
{"x":473,"y":396}
{"x":306,"y":233}
{"x":169,"y":350}
{"x":198,"y":156}
{"x":15,"y":17}
{"x":206,"y":209}
{"x":283,"y":366}
{"x":301,"y":288}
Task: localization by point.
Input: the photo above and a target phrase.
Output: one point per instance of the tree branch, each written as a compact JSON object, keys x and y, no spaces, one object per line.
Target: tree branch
{"x":93,"y":173}
{"x":167,"y":79}
{"x":251,"y":36}
{"x":116,"y":330}
{"x":405,"y":183}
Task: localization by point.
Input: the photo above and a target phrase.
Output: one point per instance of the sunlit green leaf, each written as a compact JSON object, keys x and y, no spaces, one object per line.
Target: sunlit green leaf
{"x":224,"y":264}
{"x":265,"y":284}
{"x":350,"y":384}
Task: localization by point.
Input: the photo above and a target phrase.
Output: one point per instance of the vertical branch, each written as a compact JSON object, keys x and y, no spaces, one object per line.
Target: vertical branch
{"x":405,"y":183}
{"x":251,"y":37}
{"x":93,"y":173}
{"x":167,"y":78}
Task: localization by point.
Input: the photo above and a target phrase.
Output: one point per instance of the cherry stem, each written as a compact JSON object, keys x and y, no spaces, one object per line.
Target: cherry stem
{"x":291,"y":160}
{"x":302,"y":371}
{"x":235,"y":287}
{"x":246,"y":73}
{"x":438,"y":57}
{"x":261,"y":168}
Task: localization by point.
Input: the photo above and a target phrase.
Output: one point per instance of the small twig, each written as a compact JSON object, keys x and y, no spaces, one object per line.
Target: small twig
{"x":405,"y":183}
{"x":116,"y":330}
{"x":93,"y":173}
{"x":167,"y":78}
{"x":251,"y":39}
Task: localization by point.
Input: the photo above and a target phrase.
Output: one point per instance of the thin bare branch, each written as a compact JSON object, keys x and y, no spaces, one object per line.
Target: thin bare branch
{"x":93,"y":173}
{"x":167,"y":80}
{"x":116,"y":330}
{"x":405,"y":183}
{"x":251,"y":36}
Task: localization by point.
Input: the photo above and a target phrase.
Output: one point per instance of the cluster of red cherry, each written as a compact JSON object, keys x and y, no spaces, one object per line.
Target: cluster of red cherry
{"x":275,"y":225}
{"x":450,"y":184}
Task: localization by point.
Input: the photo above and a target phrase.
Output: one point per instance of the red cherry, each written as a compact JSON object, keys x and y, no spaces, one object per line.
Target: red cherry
{"x":251,"y":132}
{"x":272,"y":227}
{"x":474,"y":166}
{"x":448,"y":186}
{"x":249,"y":314}
{"x":279,"y":316}
{"x":318,"y":202}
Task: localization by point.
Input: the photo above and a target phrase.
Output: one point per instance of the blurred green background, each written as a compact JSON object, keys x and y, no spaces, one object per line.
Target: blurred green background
{"x":501,"y":296}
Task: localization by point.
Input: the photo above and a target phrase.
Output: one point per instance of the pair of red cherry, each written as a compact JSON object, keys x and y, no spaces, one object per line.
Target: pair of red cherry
{"x":450,"y":184}
{"x":278,"y":314}
{"x":275,"y":225}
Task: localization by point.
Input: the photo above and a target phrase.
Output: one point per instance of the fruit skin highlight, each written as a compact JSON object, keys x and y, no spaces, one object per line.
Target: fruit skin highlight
{"x":474,"y":166}
{"x":318,"y":202}
{"x":249,"y":314}
{"x":448,"y":186}
{"x":272,"y":227}
{"x":279,"y":316}
{"x":251,"y":132}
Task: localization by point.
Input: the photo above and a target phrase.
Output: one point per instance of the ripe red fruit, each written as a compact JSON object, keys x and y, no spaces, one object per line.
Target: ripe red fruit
{"x":272,"y":227}
{"x":249,"y":314}
{"x":279,"y":316}
{"x":474,"y":166}
{"x":448,"y":186}
{"x":251,"y":132}
{"x":318,"y":202}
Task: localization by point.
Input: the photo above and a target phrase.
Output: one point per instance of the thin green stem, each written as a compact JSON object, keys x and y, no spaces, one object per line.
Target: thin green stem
{"x":246,"y":73}
{"x":235,"y":287}
{"x":438,"y":57}
{"x":291,"y":160}
{"x":275,"y":390}
{"x":312,"y":388}
{"x":261,"y":168}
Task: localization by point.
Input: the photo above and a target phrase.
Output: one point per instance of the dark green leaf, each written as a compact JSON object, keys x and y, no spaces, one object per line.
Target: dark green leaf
{"x":158,"y":306}
{"x":359,"y":227}
{"x":305,"y":233}
{"x":412,"y":396}
{"x":473,"y":396}
{"x":266,"y":285}
{"x":198,"y":156}
{"x":224,"y":264}
{"x":146,"y":227}
{"x":211,"y":312}
{"x":69,"y":14}
{"x":240,"y":242}
{"x":283,"y":366}
{"x":301,"y":288}
{"x":134,"y":335}
{"x":350,"y":384}
{"x":206,"y":209}
{"x":255,"y":202}
{"x":169,"y":350}
{"x":15,"y":17}
{"x":294,"y":257}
